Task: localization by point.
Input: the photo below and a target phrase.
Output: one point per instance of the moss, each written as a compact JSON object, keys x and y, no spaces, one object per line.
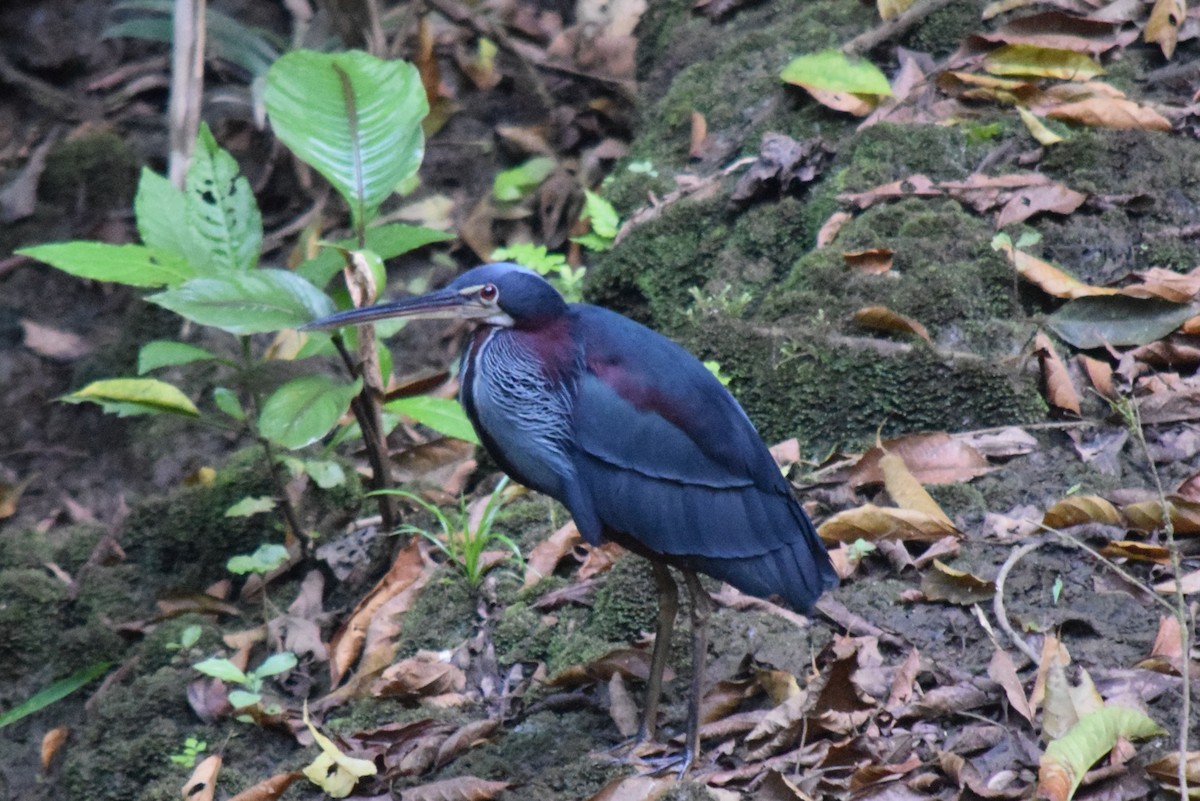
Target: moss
{"x":31,"y":603}
{"x":521,"y":635}
{"x":959,"y":500}
{"x":97,"y":172}
{"x":442,"y":616}
{"x":941,"y":32}
{"x":627,"y":604}
{"x":887,"y":152}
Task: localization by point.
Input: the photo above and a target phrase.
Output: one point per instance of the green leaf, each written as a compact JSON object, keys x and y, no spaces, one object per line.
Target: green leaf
{"x":305,"y":409}
{"x":134,"y":265}
{"x":354,"y":118}
{"x":240,"y":699}
{"x":275,"y":664}
{"x":605,"y":221}
{"x":326,"y":474}
{"x":1092,"y":737}
{"x":160,"y":209}
{"x":1043,"y":62}
{"x":129,"y":396}
{"x":221,"y":211}
{"x":248,"y":303}
{"x":834,"y":71}
{"x":54,"y":693}
{"x":168,"y":353}
{"x":221,"y":669}
{"x":265,"y":558}
{"x":519,"y":181}
{"x":441,"y":414}
{"x":1092,"y":322}
{"x":227,"y":401}
{"x":387,"y":241}
{"x":250,"y":506}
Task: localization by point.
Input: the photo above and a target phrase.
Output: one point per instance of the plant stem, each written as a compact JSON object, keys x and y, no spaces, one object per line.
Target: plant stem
{"x":370,"y":421}
{"x":285,"y":503}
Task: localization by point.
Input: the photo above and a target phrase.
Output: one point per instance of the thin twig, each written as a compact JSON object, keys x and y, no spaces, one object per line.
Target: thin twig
{"x":893,"y":28}
{"x":998,"y":599}
{"x":373,"y":439}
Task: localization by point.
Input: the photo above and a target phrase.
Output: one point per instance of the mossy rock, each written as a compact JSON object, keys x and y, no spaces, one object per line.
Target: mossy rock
{"x":29,"y":614}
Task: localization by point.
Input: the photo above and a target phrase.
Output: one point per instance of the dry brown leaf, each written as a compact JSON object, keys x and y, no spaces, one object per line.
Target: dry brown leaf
{"x":465,"y":738}
{"x":904,"y":682}
{"x":621,"y":706}
{"x":1166,"y":770}
{"x":52,"y":741}
{"x":906,"y":492}
{"x":1163,"y":26}
{"x":1158,"y":282}
{"x":724,"y":697}
{"x":269,"y":789}
{"x":10,"y":495}
{"x":1100,"y":374}
{"x":1002,"y":671}
{"x":699,"y":135}
{"x":932,"y":458}
{"x":460,"y":788}
{"x":425,"y":674}
{"x":631,"y":663}
{"x":346,"y":646}
{"x":54,"y":343}
{"x":1060,"y":391}
{"x":599,"y":559}
{"x":945,"y":583}
{"x":872,"y":775}
{"x":546,"y":555}
{"x":1047,"y":277}
{"x":1053,"y":653}
{"x":1148,"y":515}
{"x":1078,"y":509}
{"x":912,"y":186}
{"x":1137,"y":551}
{"x":1110,"y":112}
{"x":202,"y":784}
{"x":635,"y":788}
{"x":881,"y":318}
{"x":873,"y":523}
{"x":1189,"y":583}
{"x":1025,"y":203}
{"x":829,"y":229}
{"x":875,"y":261}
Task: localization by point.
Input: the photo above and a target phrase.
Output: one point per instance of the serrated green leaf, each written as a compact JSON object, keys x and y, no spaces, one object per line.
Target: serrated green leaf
{"x":222,"y":214}
{"x":53,"y":693}
{"x":160,"y":209}
{"x":444,"y":415}
{"x":275,"y":664}
{"x":248,"y":303}
{"x":168,"y":353}
{"x":227,"y":401}
{"x":355,"y":118}
{"x":265,"y":558}
{"x":126,"y":396}
{"x":514,"y":184}
{"x":1093,"y":322}
{"x":221,"y":669}
{"x":305,"y":409}
{"x":387,"y":241}
{"x":250,"y":506}
{"x":834,"y":71}
{"x":1091,"y":738}
{"x":133,"y":265}
{"x":326,"y":474}
{"x":604,"y":218}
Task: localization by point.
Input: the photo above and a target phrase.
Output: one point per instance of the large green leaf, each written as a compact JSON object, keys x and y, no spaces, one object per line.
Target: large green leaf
{"x":248,"y":303}
{"x":130,"y":396}
{"x":834,"y":71}
{"x":1093,"y":322}
{"x":168,"y":353}
{"x":441,"y":414}
{"x":1069,"y":757}
{"x":53,"y":693}
{"x":355,"y":118}
{"x":161,"y":208}
{"x":223,"y":216}
{"x":305,"y":409}
{"x":121,"y":264}
{"x":385,"y":241}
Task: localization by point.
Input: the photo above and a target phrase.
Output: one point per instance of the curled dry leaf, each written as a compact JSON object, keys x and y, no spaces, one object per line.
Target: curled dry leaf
{"x":1148,"y":515}
{"x":629,"y":662}
{"x":1078,"y":509}
{"x":1166,"y":769}
{"x":1002,"y":671}
{"x":52,"y":741}
{"x":944,"y":583}
{"x":1050,"y":279}
{"x":1110,"y":112}
{"x":881,"y":318}
{"x":635,"y":788}
{"x":547,"y":554}
{"x":1163,"y":26}
{"x":269,"y":789}
{"x":1189,"y":584}
{"x":465,"y":738}
{"x":829,"y":229}
{"x":1137,"y":551}
{"x":906,"y":492}
{"x":872,"y":523}
{"x":1060,"y":391}
{"x":875,"y":261}
{"x":202,"y":784}
{"x":932,"y":458}
{"x":621,"y":706}
{"x":1100,"y":374}
{"x":425,"y":674}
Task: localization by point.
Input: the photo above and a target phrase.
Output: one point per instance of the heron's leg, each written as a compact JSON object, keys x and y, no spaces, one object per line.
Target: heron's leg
{"x":668,"y":607}
{"x":701,"y":608}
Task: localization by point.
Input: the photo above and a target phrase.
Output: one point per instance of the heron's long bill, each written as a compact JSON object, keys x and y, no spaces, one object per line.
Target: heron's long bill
{"x":444,"y":303}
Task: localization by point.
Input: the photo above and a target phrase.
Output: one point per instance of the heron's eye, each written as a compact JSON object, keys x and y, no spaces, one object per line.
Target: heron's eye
{"x":489,"y":292}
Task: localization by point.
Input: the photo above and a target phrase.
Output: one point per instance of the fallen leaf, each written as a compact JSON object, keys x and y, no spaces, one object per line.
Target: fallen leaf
{"x":425,"y":674}
{"x":332,"y":771}
{"x":460,"y":788}
{"x":1042,"y":62}
{"x":202,"y":784}
{"x":1038,"y":130}
{"x":635,"y":788}
{"x":1137,"y":551}
{"x":1078,"y":509}
{"x":1067,"y":759}
{"x":269,"y":789}
{"x":906,"y":492}
{"x":829,"y":229}
{"x":621,"y":706}
{"x":1060,"y":391}
{"x":1158,"y":282}
{"x":1148,"y":515}
{"x":546,"y":555}
{"x":699,"y":135}
{"x":1189,"y":584}
{"x":10,"y":495}
{"x":1110,"y":112}
{"x":464,"y":738}
{"x":881,"y":318}
{"x":872,"y":523}
{"x":875,"y":261}
{"x":1166,"y":770}
{"x":631,"y":663}
{"x":54,"y":343}
{"x":1163,"y":26}
{"x":1100,"y":374}
{"x":1050,"y":279}
{"x":1002,"y":671}
{"x":52,"y":741}
{"x":945,"y":583}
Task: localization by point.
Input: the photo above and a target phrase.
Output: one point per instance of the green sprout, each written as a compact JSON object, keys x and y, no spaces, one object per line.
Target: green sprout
{"x":566,"y":279}
{"x":192,"y":748}
{"x":250,"y":694}
{"x":463,"y":544}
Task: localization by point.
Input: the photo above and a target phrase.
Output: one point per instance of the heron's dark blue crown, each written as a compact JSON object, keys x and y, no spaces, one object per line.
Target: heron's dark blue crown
{"x":524,"y":295}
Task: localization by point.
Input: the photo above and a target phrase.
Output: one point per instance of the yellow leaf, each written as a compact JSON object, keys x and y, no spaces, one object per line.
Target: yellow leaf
{"x":890,"y":9}
{"x":1079,"y":509}
{"x":873,"y":523}
{"x":1043,"y":62}
{"x":1163,"y":26}
{"x":906,"y":491}
{"x":1037,"y":128}
{"x":333,"y":771}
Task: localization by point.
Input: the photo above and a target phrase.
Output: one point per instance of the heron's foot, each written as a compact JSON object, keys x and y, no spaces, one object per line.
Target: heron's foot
{"x":678,"y":763}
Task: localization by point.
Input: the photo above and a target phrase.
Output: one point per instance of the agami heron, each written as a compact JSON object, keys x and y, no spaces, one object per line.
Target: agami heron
{"x":640,"y":442}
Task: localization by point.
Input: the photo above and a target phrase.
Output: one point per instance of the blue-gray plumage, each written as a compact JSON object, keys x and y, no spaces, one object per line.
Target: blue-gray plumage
{"x":632,"y":434}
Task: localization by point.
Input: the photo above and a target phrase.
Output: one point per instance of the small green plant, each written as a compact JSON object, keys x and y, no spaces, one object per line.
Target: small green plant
{"x":605,"y":223}
{"x":265,"y":558}
{"x":463,"y":542}
{"x":250,"y":692}
{"x":714,"y":367}
{"x":723,"y":303}
{"x":566,"y":279}
{"x":192,"y":748}
{"x":187,"y":638}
